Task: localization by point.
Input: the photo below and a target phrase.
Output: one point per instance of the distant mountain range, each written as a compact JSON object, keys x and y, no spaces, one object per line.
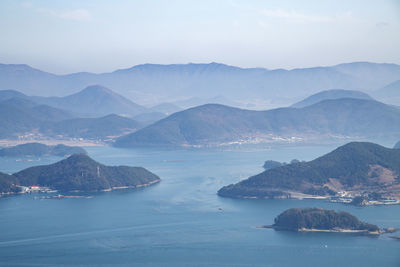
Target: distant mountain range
{"x":93,"y":101}
{"x":78,"y":173}
{"x":166,"y":108}
{"x":331,"y":94}
{"x":362,"y":168}
{"x":217,"y":124}
{"x":389,"y":94}
{"x":21,"y":117}
{"x":152,"y":83}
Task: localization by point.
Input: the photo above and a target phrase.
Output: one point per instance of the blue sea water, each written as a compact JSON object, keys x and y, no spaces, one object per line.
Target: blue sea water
{"x":181,"y":221}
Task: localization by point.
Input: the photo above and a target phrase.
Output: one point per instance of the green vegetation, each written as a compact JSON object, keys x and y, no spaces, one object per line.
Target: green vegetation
{"x":350,"y":165}
{"x":215,"y":124}
{"x":320,"y":219}
{"x":7,"y":184}
{"x":37,"y":149}
{"x":80,"y":172}
{"x":270,"y":164}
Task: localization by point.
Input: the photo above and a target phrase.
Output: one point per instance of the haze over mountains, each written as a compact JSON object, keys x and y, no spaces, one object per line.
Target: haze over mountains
{"x":22,"y":118}
{"x":330,"y":94}
{"x":152,"y":83}
{"x":389,"y":94}
{"x":99,"y":113}
{"x":93,"y":101}
{"x":217,"y":124}
{"x":38,"y":149}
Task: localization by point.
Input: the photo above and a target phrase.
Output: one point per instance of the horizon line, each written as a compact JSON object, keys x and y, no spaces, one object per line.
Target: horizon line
{"x":196,"y":63}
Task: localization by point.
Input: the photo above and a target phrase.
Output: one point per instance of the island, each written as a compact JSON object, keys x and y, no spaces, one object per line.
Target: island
{"x":321,"y":220}
{"x":38,"y":149}
{"x":359,"y":173}
{"x":77,"y":173}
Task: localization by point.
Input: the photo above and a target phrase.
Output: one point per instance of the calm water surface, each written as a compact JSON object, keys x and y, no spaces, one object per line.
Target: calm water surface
{"x":181,"y":221}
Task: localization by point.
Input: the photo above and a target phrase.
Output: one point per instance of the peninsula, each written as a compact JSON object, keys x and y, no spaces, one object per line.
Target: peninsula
{"x":358,"y":173}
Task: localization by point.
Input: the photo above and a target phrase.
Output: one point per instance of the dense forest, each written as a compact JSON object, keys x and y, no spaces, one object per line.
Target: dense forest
{"x":7,"y":184}
{"x":80,"y":172}
{"x":320,"y":219}
{"x":349,"y":164}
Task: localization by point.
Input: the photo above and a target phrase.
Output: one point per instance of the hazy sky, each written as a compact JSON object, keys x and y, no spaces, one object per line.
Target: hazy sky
{"x":100,"y":36}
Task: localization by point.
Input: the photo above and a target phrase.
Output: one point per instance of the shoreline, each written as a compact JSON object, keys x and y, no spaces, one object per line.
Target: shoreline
{"x":129,"y":187}
{"x":46,"y":189}
{"x":310,"y":230}
{"x":52,"y":142}
{"x":301,"y":196}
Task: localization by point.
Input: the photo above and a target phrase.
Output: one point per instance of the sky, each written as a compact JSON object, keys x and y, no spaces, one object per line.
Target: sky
{"x":101,"y":36}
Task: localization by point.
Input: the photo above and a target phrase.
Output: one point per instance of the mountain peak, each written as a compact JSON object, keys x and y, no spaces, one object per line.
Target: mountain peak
{"x":80,"y":172}
{"x":331,"y":95}
{"x":96,"y":88}
{"x":80,"y":157}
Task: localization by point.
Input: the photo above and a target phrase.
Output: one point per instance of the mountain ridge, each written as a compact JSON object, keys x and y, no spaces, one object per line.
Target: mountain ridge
{"x":79,"y":172}
{"x":330,"y":94}
{"x":156,"y":83}
{"x":215,"y":124}
{"x":360,"y":168}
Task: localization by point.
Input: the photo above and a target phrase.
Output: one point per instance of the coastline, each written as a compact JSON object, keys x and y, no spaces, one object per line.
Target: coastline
{"x":52,"y":142}
{"x":47,"y":190}
{"x":129,"y":187}
{"x":334,"y":199}
{"x":339,"y":230}
{"x":336,"y":230}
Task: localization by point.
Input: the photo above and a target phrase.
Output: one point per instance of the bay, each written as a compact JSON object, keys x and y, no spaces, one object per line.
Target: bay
{"x":181,"y":221}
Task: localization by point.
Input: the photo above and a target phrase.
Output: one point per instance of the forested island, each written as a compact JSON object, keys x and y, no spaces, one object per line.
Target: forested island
{"x":77,"y":173}
{"x":359,"y":173}
{"x":321,"y":220}
{"x":38,"y":149}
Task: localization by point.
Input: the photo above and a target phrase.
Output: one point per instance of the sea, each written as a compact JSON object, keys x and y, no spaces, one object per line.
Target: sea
{"x":181,"y":221}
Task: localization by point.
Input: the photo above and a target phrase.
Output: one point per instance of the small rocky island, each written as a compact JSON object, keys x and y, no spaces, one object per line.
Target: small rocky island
{"x":321,"y":220}
{"x":38,"y":149}
{"x":77,"y":173}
